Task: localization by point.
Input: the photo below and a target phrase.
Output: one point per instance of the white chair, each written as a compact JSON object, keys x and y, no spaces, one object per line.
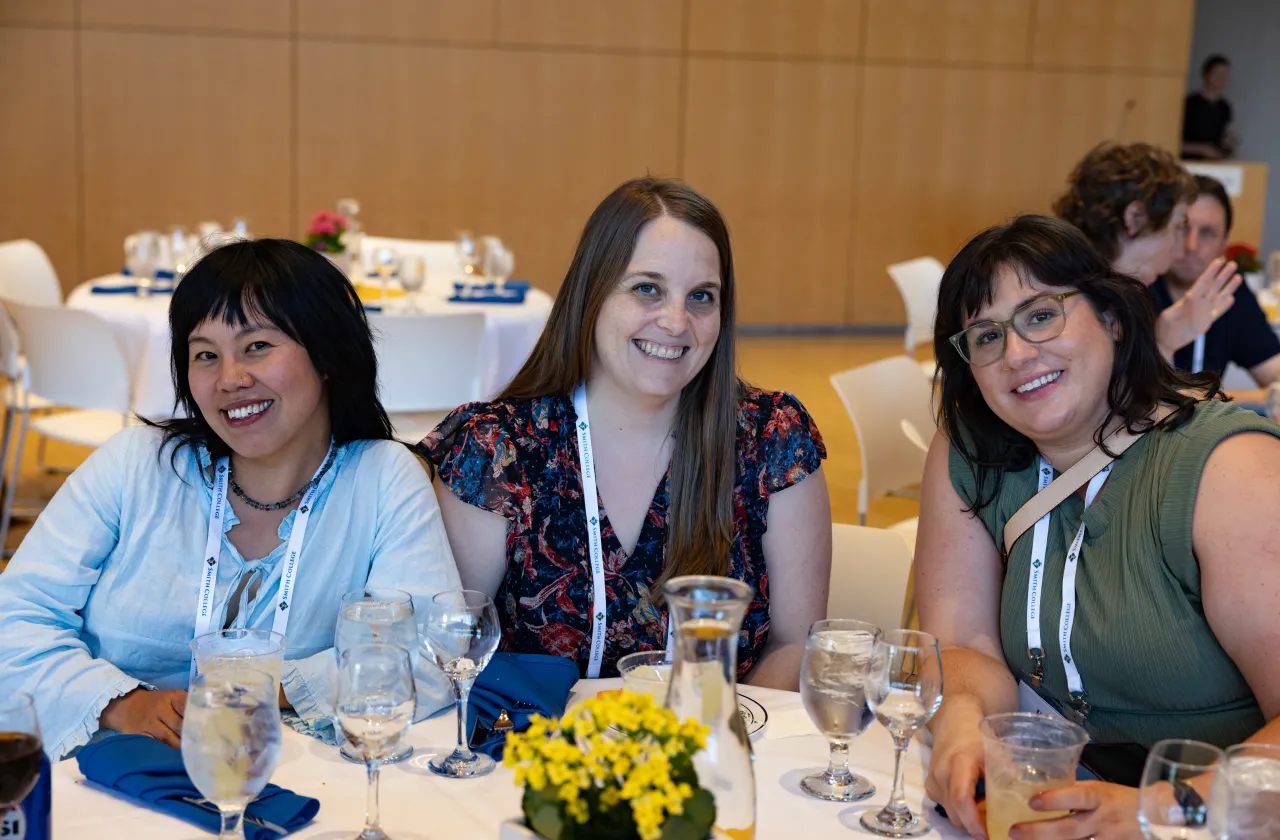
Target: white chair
{"x":27,"y":276}
{"x":444,"y":266}
{"x":428,"y":365}
{"x":918,"y":281}
{"x":1236,"y":378}
{"x":869,"y":572}
{"x":879,"y":397}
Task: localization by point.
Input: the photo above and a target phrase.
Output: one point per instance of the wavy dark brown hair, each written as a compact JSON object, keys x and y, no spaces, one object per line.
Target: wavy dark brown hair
{"x":700,"y":516}
{"x":1056,"y":254}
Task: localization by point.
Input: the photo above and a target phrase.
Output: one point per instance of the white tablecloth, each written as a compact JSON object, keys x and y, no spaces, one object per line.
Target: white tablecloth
{"x":142,"y":327}
{"x":417,"y":804}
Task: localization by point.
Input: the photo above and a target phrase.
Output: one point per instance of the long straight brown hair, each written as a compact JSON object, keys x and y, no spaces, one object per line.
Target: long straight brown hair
{"x":700,"y":513}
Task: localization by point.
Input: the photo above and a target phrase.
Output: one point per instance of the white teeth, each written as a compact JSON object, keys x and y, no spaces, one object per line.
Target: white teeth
{"x":1038,"y":383}
{"x":658,"y":351}
{"x":248,"y":410}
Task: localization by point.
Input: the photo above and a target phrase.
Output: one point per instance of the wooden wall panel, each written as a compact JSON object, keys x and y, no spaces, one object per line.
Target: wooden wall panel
{"x":616,"y":24}
{"x":37,"y":146}
{"x":939,"y":31}
{"x":249,"y":16}
{"x":525,"y":149}
{"x":772,"y":144}
{"x":1151,"y":35}
{"x":809,"y":28}
{"x":180,"y":128}
{"x":462,"y":21}
{"x":16,"y":12}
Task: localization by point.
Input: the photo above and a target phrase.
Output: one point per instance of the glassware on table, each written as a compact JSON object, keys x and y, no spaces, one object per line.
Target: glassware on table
{"x":372,"y":616}
{"x":21,"y":749}
{"x":413,"y":276}
{"x":647,"y":672}
{"x":240,"y":228}
{"x":707,"y":613}
{"x":240,"y":648}
{"x":905,"y":692}
{"x":834,"y":681}
{"x":1168,"y":807}
{"x":1026,"y":754}
{"x":461,"y":633}
{"x":231,"y":739}
{"x":1245,"y":801}
{"x":468,"y":252}
{"x":182,"y":251}
{"x":376,"y":699}
{"x":386,"y":261}
{"x":498,"y":262}
{"x":142,"y":257}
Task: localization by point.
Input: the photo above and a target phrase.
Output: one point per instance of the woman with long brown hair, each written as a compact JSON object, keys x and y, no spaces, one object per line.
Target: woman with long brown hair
{"x":696,"y":472}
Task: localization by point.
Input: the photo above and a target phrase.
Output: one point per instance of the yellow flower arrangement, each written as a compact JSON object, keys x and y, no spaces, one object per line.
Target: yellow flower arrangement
{"x":617,"y":767}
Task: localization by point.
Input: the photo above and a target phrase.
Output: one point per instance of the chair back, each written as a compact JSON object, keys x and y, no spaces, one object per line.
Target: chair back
{"x":869,"y":572}
{"x":27,"y":276}
{"x":444,"y":266}
{"x":918,"y":281}
{"x":73,"y":357}
{"x":428,"y":362}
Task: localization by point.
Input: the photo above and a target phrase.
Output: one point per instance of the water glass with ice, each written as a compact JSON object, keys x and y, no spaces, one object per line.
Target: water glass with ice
{"x":377,"y":615}
{"x":1246,"y":794}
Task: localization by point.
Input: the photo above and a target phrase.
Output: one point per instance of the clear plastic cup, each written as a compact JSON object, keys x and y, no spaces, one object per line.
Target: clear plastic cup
{"x":646,"y":672}
{"x":1026,"y":754}
{"x":253,"y":648}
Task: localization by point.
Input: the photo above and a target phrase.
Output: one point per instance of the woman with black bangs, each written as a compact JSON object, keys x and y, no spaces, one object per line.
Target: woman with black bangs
{"x":284,"y":447}
{"x":1152,"y":584}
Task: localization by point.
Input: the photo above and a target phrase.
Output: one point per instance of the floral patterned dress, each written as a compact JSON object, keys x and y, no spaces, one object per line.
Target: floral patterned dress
{"x":519,"y":459}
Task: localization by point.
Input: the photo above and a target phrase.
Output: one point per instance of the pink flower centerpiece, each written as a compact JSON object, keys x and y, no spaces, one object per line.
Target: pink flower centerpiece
{"x":324,"y":234}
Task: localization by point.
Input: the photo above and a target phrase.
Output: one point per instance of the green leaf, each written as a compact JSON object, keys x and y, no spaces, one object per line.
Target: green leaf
{"x":545,"y":815}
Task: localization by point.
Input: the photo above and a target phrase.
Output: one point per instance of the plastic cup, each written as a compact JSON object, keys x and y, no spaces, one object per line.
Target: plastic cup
{"x":646,"y":672}
{"x":1026,"y":754}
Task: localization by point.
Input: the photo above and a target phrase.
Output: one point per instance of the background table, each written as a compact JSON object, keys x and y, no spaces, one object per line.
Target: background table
{"x":417,"y":804}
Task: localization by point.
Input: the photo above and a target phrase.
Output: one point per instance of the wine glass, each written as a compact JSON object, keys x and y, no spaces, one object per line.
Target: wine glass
{"x":240,"y":228}
{"x":376,"y":698}
{"x":498,"y":263}
{"x":468,"y":252}
{"x":412,"y":279}
{"x":181,"y":251}
{"x":386,"y":261}
{"x":1169,"y":807}
{"x":906,"y":691}
{"x":373,"y":616}
{"x":1246,"y":794}
{"x":231,"y":739}
{"x":142,"y":257}
{"x":833,"y":685}
{"x":461,"y":633}
{"x":21,"y":749}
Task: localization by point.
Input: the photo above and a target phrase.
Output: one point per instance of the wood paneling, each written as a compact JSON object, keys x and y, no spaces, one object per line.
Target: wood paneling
{"x":826,"y":28}
{"x":14,"y":12}
{"x":940,"y":31}
{"x":180,"y":128}
{"x":37,"y":145}
{"x":526,"y":148}
{"x":470,"y":21}
{"x":616,"y":24}
{"x":1152,"y":35}
{"x":771,"y":143}
{"x":249,"y":16}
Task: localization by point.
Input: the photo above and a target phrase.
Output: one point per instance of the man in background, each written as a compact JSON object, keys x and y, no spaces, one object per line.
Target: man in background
{"x":1206,"y":119}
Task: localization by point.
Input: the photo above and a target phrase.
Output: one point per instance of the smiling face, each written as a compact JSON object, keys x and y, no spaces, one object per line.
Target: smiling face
{"x":1054,"y":392}
{"x":256,"y":388}
{"x":659,"y":325}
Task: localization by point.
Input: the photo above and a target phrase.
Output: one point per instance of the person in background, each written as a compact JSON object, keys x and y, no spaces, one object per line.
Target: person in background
{"x":1206,"y":118}
{"x":1130,"y":201}
{"x":698,"y":473}
{"x":1242,"y":334}
{"x":275,"y":373}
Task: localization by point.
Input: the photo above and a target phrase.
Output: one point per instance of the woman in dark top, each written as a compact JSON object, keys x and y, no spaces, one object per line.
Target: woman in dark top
{"x":697,"y":472}
{"x":1206,"y":118}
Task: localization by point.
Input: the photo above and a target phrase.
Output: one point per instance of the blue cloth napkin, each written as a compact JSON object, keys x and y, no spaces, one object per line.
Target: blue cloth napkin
{"x":129,"y":290}
{"x":151,"y":773}
{"x":160,"y":274}
{"x":523,"y":685}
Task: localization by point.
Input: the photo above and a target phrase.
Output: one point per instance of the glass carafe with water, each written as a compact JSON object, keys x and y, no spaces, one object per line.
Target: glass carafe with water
{"x":707,"y":613}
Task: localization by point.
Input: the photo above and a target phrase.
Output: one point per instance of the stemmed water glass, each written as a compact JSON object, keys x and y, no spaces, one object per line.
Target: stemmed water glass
{"x":20,"y":747}
{"x":1246,"y":794}
{"x":412,"y":278}
{"x":386,"y":261}
{"x":833,"y":685}
{"x":377,"y":616}
{"x":1169,"y":808}
{"x":461,"y":633}
{"x":376,"y":698}
{"x":468,"y":252}
{"x":498,"y":262}
{"x":231,"y":739}
{"x":906,"y":693}
{"x":142,"y":257}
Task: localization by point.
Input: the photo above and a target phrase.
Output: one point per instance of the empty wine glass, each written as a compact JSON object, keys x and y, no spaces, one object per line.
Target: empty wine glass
{"x":231,"y":739}
{"x":373,"y":616}
{"x":461,"y":633}
{"x":906,"y":691}
{"x":142,"y":257}
{"x":376,"y":698}
{"x":1246,"y":794}
{"x":1169,"y":807}
{"x":21,"y":749}
{"x":468,"y":252}
{"x":412,"y":278}
{"x":833,"y":686}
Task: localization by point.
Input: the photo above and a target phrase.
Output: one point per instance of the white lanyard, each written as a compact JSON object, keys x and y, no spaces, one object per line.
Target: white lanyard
{"x":1197,"y":355}
{"x":1035,"y":589}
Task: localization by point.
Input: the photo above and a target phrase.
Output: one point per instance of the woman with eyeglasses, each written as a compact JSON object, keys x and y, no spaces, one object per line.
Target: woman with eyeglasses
{"x":1154,"y":584}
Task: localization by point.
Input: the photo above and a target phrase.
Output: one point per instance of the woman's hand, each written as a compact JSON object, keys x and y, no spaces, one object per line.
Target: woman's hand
{"x":154,"y":713}
{"x":1103,"y":811}
{"x":1191,"y":316}
{"x":954,"y":769}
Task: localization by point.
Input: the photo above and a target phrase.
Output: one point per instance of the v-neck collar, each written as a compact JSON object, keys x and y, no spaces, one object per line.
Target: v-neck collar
{"x":651,"y":516}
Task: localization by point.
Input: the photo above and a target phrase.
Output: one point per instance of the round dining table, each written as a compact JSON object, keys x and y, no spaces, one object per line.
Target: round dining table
{"x":142,"y":330}
{"x":417,"y":805}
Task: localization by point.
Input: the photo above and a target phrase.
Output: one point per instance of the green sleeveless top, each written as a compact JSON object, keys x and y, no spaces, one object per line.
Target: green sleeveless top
{"x":1151,"y":666}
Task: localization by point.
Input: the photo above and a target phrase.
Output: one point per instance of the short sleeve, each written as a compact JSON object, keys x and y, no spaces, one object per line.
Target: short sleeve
{"x":1252,"y":339}
{"x":790,"y":446}
{"x":474,"y":454}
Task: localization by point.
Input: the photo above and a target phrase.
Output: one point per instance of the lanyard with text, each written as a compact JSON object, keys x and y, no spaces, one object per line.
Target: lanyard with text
{"x":1197,"y":355}
{"x":1039,"y":548}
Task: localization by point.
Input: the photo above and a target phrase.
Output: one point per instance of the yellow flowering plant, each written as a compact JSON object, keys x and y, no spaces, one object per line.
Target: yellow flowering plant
{"x":617,"y":767}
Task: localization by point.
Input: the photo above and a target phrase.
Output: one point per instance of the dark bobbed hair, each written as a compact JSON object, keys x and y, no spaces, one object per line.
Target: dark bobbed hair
{"x":1056,"y":254}
{"x":1212,"y":62}
{"x":1213,"y":188}
{"x":297,"y":290}
{"x":700,"y":532}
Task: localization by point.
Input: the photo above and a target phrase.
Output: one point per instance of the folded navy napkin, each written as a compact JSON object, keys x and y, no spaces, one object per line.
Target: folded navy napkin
{"x":128,"y":290}
{"x":151,"y":773}
{"x":522,"y":685}
{"x":160,"y":274}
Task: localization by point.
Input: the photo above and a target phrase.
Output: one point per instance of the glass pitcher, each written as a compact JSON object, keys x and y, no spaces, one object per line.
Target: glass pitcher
{"x":707,"y":613}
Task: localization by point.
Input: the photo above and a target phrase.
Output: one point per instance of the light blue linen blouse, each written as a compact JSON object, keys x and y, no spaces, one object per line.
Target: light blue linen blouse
{"x":101,"y":596}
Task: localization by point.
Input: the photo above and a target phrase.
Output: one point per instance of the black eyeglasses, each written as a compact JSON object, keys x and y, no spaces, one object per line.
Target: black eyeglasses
{"x":1036,"y":321}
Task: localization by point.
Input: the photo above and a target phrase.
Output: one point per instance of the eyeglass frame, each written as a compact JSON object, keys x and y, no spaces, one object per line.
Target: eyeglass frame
{"x":958,"y":339}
